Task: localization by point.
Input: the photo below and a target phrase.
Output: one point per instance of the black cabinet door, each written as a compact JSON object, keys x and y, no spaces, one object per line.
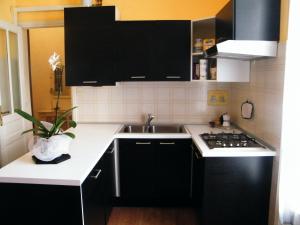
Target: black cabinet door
{"x":136,"y":164}
{"x":198,"y":172}
{"x":90,"y":46}
{"x":108,"y":179}
{"x":173,"y":182}
{"x":134,"y":50}
{"x":172,"y":51}
{"x":93,"y":196}
{"x":249,"y":20}
{"x":236,"y":190}
{"x":257,"y":20}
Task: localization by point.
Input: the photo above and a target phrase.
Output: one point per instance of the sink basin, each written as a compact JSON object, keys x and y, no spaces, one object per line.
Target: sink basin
{"x":153,"y":129}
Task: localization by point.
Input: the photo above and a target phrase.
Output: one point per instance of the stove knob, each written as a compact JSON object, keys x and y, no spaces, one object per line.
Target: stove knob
{"x":237,"y":144}
{"x":245,"y":144}
{"x":224,"y":145}
{"x":231,"y":144}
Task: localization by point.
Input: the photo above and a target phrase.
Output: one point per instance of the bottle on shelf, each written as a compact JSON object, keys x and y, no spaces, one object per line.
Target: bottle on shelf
{"x":203,"y":69}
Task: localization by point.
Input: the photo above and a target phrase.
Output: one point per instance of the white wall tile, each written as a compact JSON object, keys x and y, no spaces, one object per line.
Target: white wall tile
{"x":164,"y":94}
{"x":179,"y":109}
{"x":179,"y":94}
{"x":163,"y":109}
{"x":116,"y":94}
{"x":148,"y":94}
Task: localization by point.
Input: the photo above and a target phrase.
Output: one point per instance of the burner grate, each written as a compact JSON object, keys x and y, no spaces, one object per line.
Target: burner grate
{"x":230,"y":140}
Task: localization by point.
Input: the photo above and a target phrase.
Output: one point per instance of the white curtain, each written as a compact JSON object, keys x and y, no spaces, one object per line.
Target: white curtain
{"x":289,"y":186}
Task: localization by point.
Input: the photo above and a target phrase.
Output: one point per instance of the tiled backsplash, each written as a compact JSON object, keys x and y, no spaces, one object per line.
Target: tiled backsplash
{"x":265,"y":90}
{"x":170,"y":102}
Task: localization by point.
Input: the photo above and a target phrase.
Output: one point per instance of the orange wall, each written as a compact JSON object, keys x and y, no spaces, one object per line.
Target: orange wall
{"x":5,"y":10}
{"x":139,"y":9}
{"x":43,"y":42}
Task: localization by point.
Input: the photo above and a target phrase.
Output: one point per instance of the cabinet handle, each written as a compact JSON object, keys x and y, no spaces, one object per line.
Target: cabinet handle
{"x":90,"y":82}
{"x":173,"y":77}
{"x":143,"y":143}
{"x":138,"y":77}
{"x":167,"y":143}
{"x":97,"y":174}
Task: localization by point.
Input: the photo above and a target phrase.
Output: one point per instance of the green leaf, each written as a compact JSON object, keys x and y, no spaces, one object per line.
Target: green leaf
{"x":43,"y":135}
{"x":30,"y":118}
{"x":62,"y":116}
{"x":57,"y":128}
{"x":71,"y":135}
{"x":73,"y":124}
{"x":33,"y":130}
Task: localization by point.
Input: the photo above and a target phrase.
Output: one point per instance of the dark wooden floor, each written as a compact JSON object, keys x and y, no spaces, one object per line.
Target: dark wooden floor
{"x":152,"y":216}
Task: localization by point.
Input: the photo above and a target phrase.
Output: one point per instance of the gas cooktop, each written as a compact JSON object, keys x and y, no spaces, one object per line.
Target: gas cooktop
{"x":230,"y":140}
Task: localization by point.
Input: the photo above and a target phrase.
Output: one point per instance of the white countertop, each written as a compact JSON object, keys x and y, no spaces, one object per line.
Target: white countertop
{"x":196,"y":130}
{"x":86,"y":149}
{"x":91,"y":142}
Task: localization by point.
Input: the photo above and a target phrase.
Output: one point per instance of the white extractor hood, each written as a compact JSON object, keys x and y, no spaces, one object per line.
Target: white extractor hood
{"x":243,"y":50}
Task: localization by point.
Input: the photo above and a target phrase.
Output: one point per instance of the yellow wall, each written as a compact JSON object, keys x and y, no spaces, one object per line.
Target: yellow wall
{"x":5,"y":9}
{"x":136,"y":9}
{"x":284,"y":20}
{"x":43,"y":42}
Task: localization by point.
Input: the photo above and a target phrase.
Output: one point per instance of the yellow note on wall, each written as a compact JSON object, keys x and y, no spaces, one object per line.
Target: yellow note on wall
{"x":217,"y":98}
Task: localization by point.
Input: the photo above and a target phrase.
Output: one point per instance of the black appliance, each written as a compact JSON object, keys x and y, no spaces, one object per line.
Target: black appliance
{"x":230,"y":140}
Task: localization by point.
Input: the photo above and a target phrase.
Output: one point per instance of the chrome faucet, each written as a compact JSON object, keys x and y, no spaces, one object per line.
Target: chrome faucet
{"x":150,"y":117}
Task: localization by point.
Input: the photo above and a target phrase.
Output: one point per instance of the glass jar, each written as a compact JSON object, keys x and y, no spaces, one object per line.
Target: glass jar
{"x":198,"y":45}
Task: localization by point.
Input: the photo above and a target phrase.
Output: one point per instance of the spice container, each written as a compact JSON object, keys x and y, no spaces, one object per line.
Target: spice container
{"x":198,"y":45}
{"x":208,"y":43}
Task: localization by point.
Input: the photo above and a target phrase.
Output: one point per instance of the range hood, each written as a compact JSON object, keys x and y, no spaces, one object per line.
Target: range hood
{"x":243,"y":50}
{"x":247,"y":30}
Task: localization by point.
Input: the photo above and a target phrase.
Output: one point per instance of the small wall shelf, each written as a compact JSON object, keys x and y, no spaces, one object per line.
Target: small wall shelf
{"x":227,"y":70}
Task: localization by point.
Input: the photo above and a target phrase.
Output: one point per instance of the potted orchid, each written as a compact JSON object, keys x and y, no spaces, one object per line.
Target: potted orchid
{"x":50,"y":143}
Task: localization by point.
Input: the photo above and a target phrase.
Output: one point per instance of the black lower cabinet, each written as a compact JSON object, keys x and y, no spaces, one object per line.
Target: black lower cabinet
{"x":155,"y":172}
{"x":94,"y":196}
{"x":35,"y":204}
{"x":198,"y":172}
{"x":173,"y":184}
{"x":236,"y":190}
{"x":97,"y":191}
{"x":137,"y":170}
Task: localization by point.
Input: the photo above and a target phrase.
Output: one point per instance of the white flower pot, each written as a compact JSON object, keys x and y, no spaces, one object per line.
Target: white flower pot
{"x":49,"y":149}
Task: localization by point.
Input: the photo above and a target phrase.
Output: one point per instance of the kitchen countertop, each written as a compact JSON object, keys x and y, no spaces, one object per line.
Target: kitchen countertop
{"x":91,"y":142}
{"x":86,"y":149}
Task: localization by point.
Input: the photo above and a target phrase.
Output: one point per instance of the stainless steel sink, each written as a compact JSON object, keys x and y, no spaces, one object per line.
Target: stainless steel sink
{"x":153,"y":129}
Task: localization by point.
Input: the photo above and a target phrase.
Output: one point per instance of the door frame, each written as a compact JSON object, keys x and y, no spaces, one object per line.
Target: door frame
{"x":12,"y":144}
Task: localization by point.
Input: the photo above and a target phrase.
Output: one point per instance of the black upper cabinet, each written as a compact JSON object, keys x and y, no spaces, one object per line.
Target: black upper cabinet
{"x":154,"y":50}
{"x":133,"y":50}
{"x":172,"y":51}
{"x":89,"y":46}
{"x":101,"y":51}
{"x":249,"y":20}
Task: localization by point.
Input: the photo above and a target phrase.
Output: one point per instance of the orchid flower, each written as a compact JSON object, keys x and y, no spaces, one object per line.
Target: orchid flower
{"x":54,"y":61}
